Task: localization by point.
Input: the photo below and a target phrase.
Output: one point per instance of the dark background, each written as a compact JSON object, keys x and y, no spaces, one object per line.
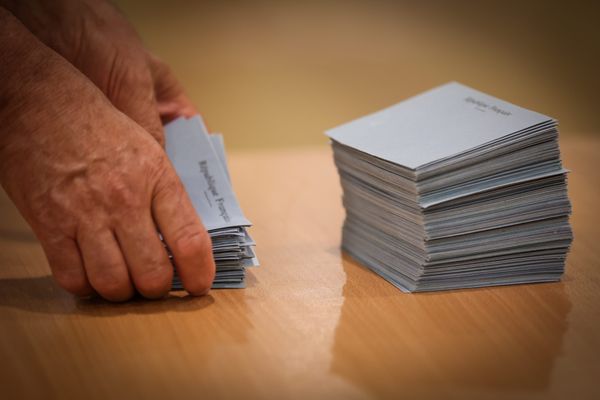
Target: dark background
{"x":278,"y":73}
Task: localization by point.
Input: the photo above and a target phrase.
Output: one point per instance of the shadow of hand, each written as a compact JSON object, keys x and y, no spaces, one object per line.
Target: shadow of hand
{"x":43,"y":295}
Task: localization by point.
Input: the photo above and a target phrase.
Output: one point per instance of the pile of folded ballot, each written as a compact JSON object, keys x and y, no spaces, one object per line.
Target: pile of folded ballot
{"x":199,"y":159}
{"x":454,"y":188}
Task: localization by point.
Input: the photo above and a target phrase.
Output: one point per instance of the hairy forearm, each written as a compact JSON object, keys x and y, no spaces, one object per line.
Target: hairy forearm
{"x":49,"y":20}
{"x":69,"y":26}
{"x":35,"y":89}
{"x":94,"y":37}
{"x":25,"y":66}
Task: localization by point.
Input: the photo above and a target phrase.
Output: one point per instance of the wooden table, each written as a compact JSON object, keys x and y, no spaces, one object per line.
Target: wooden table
{"x":312,"y":323}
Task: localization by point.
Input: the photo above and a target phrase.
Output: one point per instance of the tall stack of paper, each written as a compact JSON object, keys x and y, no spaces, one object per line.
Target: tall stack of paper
{"x":452,"y":189}
{"x":199,"y":159}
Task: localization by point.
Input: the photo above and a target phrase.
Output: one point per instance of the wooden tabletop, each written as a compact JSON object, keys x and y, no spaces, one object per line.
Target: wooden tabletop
{"x":312,"y":323}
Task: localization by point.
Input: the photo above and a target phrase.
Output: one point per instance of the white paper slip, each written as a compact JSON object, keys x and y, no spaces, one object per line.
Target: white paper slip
{"x":200,"y":161}
{"x":216,"y":139}
{"x":189,"y":148}
{"x":434,"y":125}
{"x":454,"y":189}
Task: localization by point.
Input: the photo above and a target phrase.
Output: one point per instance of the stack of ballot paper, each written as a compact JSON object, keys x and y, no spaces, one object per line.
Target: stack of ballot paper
{"x":454,"y":188}
{"x":199,"y":159}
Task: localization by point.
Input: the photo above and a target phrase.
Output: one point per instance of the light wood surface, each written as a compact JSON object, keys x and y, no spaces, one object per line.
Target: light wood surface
{"x":312,"y":323}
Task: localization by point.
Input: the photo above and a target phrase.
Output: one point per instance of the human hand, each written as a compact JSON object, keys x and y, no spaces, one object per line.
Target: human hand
{"x":92,"y":184}
{"x":94,"y":37}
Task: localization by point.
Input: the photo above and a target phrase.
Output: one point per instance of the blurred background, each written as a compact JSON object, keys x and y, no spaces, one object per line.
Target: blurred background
{"x":278,"y":73}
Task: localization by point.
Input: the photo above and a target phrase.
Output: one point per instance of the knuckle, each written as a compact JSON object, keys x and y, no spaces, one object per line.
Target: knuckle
{"x":159,"y":67}
{"x":167,"y":182}
{"x":127,"y":71}
{"x":191,"y":240}
{"x":158,"y":165}
{"x":122,"y":193}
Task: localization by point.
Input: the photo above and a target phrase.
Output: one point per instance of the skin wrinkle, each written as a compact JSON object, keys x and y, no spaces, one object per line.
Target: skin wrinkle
{"x":94,"y":184}
{"x":79,"y":40}
{"x":112,"y":77}
{"x":187,"y":236}
{"x":100,"y":27}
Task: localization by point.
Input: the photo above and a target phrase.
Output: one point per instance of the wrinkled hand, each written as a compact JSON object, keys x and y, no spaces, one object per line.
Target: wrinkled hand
{"x":94,"y":37}
{"x":92,"y":184}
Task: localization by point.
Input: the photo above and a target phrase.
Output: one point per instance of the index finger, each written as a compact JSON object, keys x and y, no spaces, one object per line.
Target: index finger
{"x":184,"y":234}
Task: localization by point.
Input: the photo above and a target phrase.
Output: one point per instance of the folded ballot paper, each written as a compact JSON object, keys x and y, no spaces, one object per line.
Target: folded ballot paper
{"x":454,"y":188}
{"x":199,"y":159}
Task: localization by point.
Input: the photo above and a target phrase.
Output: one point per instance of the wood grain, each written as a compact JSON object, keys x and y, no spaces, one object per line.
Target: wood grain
{"x":312,"y":323}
